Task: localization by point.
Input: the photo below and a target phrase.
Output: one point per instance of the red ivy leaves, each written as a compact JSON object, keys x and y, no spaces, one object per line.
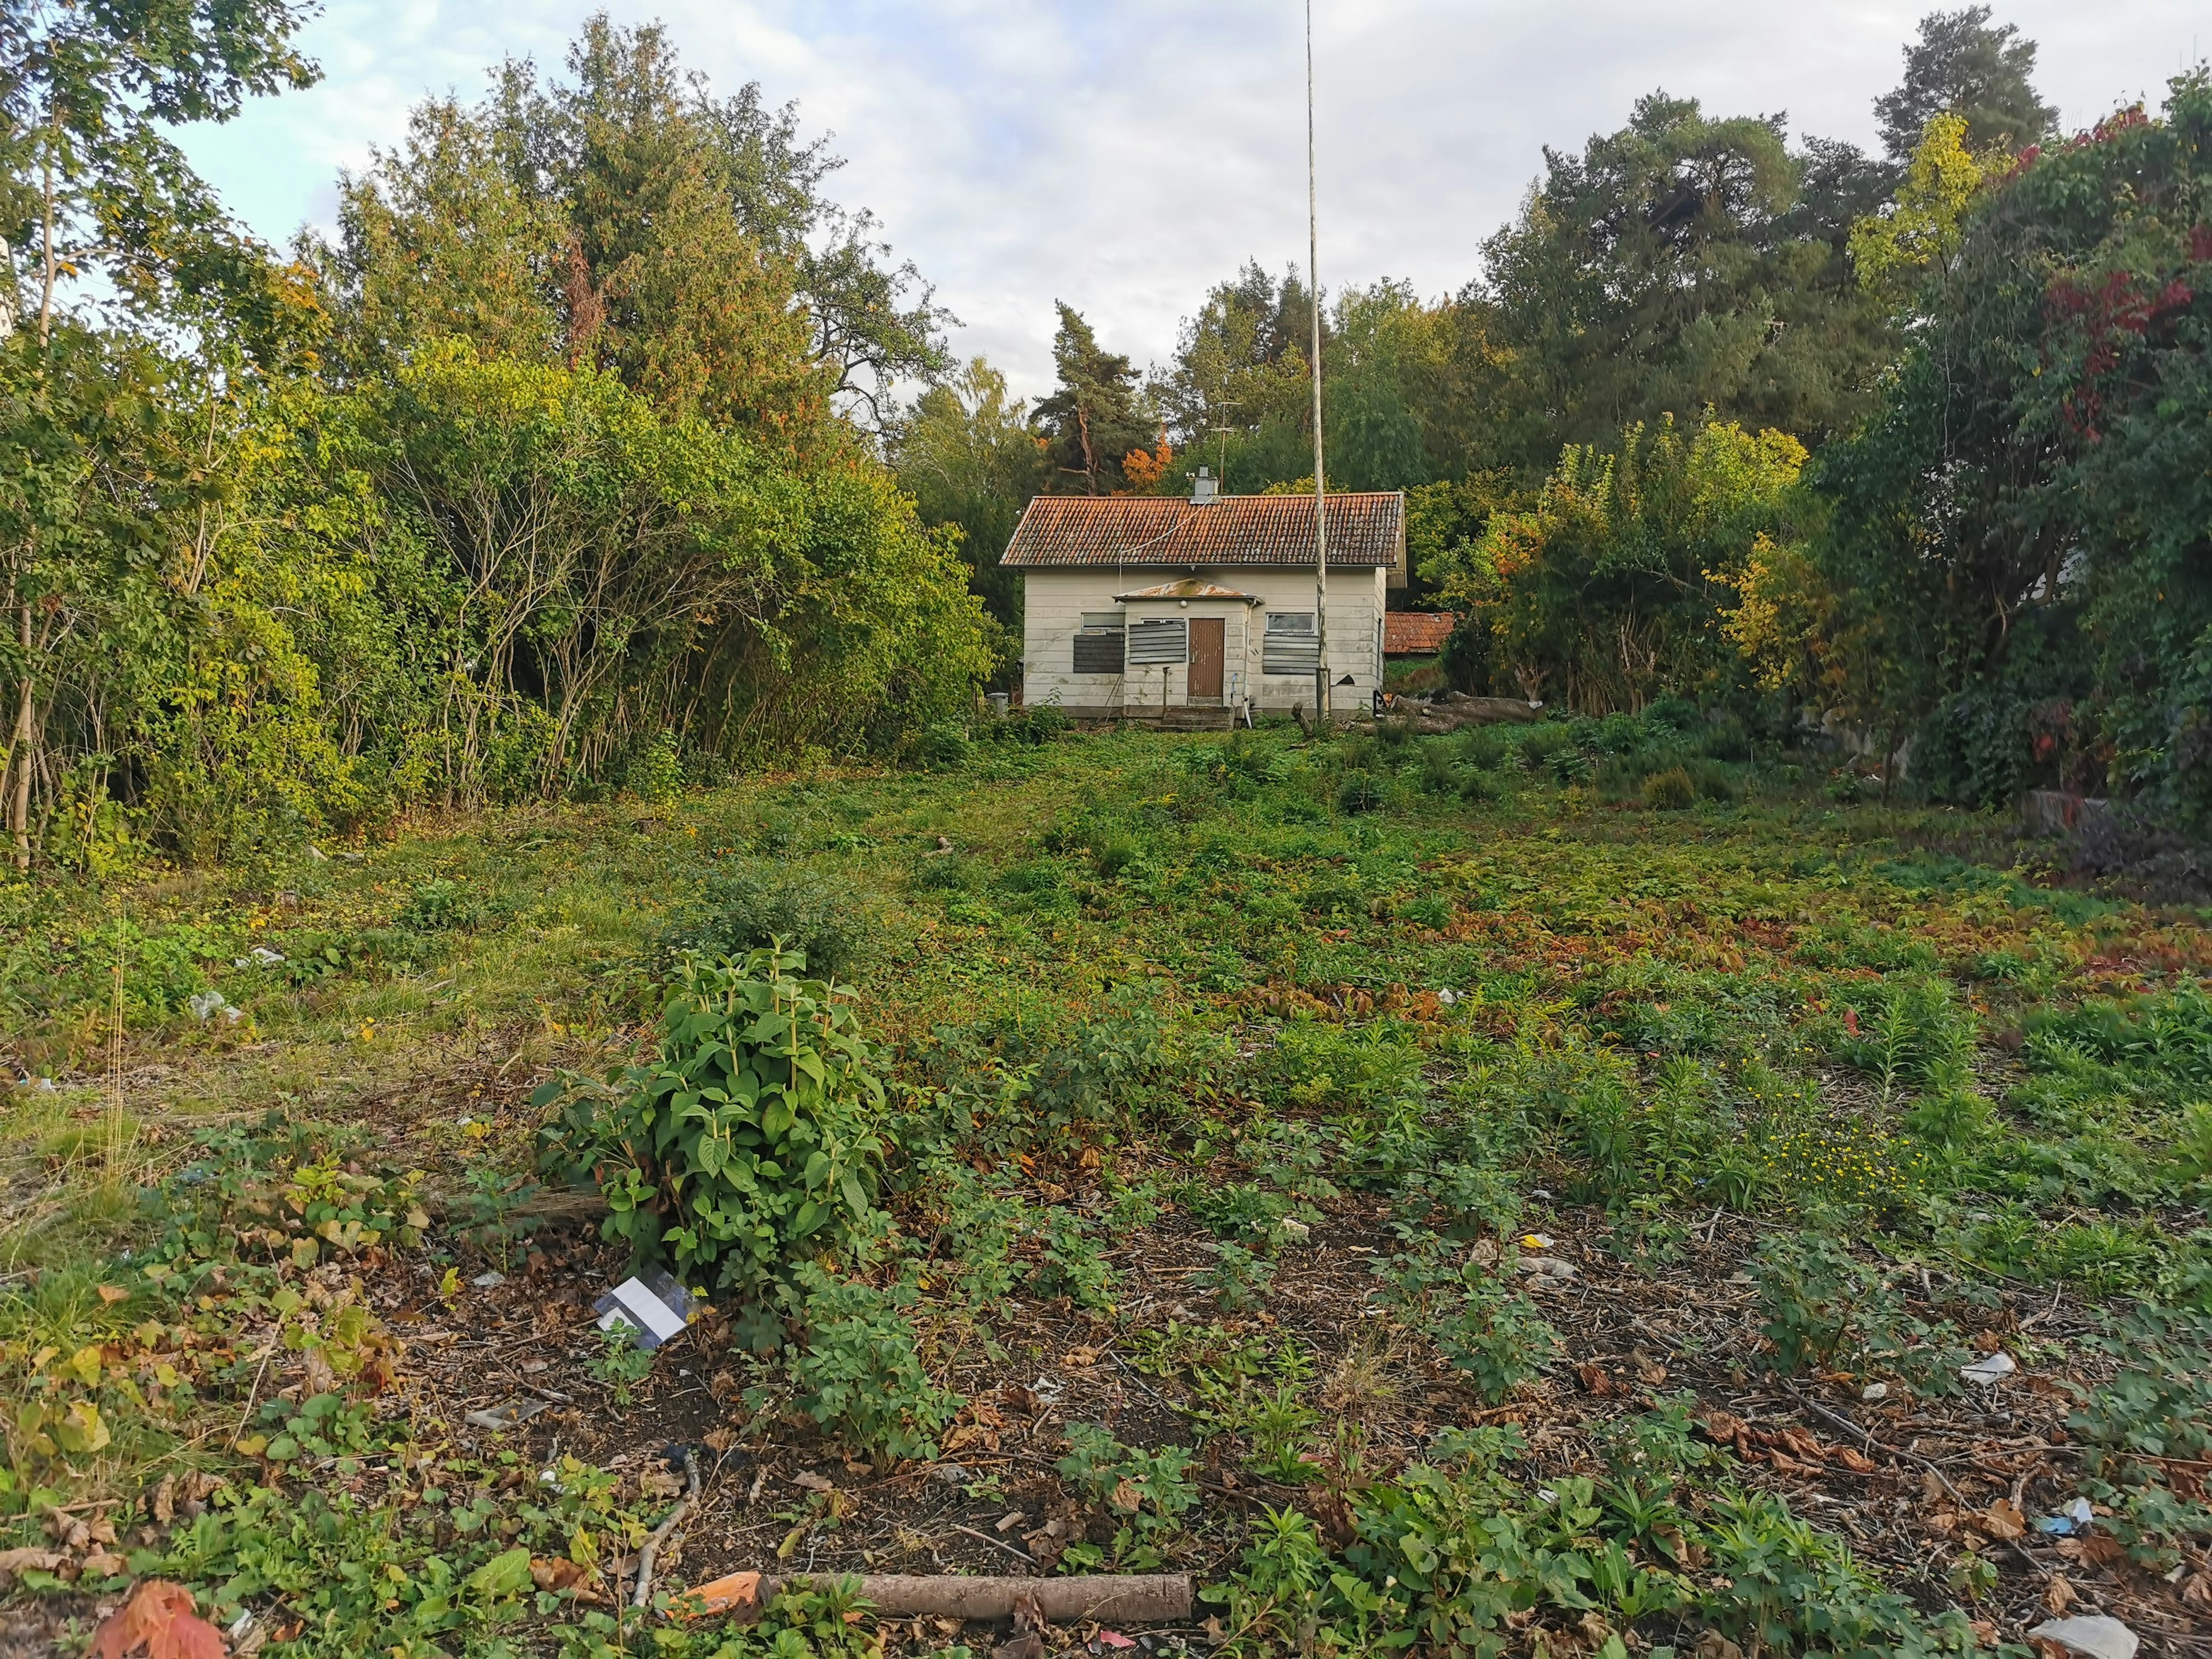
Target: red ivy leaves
{"x":2105,"y":311}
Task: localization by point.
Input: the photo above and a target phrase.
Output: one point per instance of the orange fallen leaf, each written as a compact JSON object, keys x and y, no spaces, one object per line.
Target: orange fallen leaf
{"x":158,"y":1621}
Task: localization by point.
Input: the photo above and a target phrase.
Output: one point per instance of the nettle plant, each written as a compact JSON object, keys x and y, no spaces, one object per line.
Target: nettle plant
{"x":748,"y":1143}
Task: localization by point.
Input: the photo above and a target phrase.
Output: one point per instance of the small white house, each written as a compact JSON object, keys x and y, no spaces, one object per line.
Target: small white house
{"x":1136,"y":606}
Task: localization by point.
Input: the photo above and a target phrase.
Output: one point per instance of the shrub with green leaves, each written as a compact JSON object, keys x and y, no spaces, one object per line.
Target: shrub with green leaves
{"x":747,"y":1142}
{"x":1669,"y":791}
{"x":1145,"y":1493}
{"x":1826,"y":1309}
{"x":755,"y":905}
{"x":858,"y":1368}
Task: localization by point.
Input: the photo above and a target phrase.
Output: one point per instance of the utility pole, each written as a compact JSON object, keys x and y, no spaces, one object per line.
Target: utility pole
{"x":1320,"y":517}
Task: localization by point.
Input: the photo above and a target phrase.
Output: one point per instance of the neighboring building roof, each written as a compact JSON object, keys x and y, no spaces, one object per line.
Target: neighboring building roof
{"x":1188,"y":588}
{"x":1416,"y":633}
{"x":1365,"y":532}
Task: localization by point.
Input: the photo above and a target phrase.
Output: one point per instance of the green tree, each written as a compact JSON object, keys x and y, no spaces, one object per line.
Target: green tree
{"x":1961,"y":66}
{"x":2022,"y":524}
{"x":966,"y":455}
{"x":1095,"y":417}
{"x":1684,"y":262}
{"x":99,"y":213}
{"x":1613,"y":584}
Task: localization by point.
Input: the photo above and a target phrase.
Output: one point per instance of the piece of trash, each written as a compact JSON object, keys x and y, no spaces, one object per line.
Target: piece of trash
{"x":1874,"y":1391}
{"x":1296,"y":1232}
{"x":654,"y":1304}
{"x":950,"y":1474}
{"x":500,"y":1417}
{"x":2090,"y":1634}
{"x":1448,"y":996}
{"x":1113,"y":1638}
{"x":491,"y":1281}
{"x":812,"y":1481}
{"x":1539,"y":1193}
{"x":1991,"y":1369}
{"x":206,"y":1004}
{"x":317,"y":854}
{"x":1047,"y":1390}
{"x":1535,"y":1241}
{"x":732,"y":1592}
{"x":2077,"y":1516}
{"x":1545,"y":1495}
{"x":237,"y":1628}
{"x":1548,"y":1268}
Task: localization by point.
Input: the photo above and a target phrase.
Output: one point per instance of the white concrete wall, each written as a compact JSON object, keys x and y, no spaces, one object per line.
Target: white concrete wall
{"x":1055,"y":601}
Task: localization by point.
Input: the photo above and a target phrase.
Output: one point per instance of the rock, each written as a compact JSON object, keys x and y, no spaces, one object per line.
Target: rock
{"x":2092,"y":1635}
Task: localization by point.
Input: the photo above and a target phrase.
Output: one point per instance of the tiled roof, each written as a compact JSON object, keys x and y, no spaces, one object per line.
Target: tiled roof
{"x":1416,"y":633}
{"x":1364,"y":531}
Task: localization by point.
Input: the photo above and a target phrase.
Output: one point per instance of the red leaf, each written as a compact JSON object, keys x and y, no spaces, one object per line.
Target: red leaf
{"x":159,"y":1621}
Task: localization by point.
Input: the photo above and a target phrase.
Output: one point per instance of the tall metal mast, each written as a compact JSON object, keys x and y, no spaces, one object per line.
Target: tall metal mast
{"x":1320,"y":518}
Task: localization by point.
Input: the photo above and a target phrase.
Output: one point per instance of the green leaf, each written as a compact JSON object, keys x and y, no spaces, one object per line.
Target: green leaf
{"x":504,"y":1575}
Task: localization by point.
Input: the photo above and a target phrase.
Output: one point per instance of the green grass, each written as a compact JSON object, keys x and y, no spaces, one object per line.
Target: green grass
{"x":1206,"y":995}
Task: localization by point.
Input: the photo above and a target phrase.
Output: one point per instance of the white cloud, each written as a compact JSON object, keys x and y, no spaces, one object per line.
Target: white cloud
{"x":1124,"y":155}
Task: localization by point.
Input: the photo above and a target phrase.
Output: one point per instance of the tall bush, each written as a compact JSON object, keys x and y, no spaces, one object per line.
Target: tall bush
{"x":747,"y":1145}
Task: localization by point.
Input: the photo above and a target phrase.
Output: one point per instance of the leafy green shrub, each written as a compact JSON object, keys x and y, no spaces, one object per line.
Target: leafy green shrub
{"x":1713,"y":781}
{"x":1440,"y":771}
{"x":2158,"y":1407}
{"x":1827,"y":1310}
{"x":1481,"y":789}
{"x":1570,"y":765}
{"x":747,"y":1142}
{"x":944,"y":743}
{"x":950,"y":872}
{"x":1146,"y":1493}
{"x":754,"y":906}
{"x":1238,"y":1278}
{"x":1359,"y":792}
{"x":1482,"y":748}
{"x":1494,"y":1334}
{"x":1669,"y":791}
{"x":1036,"y":724}
{"x":655,"y":772}
{"x":439,"y":907}
{"x":1907,"y":1031}
{"x":859,"y":1371}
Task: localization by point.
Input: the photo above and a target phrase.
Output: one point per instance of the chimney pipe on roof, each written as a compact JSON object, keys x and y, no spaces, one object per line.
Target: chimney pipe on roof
{"x":1203,"y":488}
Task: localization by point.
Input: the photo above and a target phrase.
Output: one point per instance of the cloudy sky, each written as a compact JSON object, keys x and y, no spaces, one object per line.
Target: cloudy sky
{"x":1124,"y":155}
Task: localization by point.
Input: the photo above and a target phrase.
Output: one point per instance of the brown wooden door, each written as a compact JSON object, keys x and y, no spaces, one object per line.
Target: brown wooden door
{"x":1206,"y":654}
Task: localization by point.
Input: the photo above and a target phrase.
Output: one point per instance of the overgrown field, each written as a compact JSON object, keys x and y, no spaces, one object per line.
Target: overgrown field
{"x":1525,"y":1193}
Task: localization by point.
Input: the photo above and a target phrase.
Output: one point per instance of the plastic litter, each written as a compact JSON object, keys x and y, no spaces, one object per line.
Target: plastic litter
{"x":1874,"y":1391}
{"x":1448,"y":996}
{"x":1991,"y":1369}
{"x":2077,"y":1516}
{"x":1548,"y":1268}
{"x":489,"y":1281}
{"x":1112,"y":1638}
{"x":206,"y":1004}
{"x":497,"y":1418}
{"x":653,"y":1305}
{"x":2093,"y":1635}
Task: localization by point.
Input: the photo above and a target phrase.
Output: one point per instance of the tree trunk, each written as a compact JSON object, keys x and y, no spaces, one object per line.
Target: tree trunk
{"x":19,"y":747}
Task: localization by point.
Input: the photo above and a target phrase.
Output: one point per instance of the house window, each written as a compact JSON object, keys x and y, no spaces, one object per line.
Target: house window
{"x":1162,"y":642}
{"x":1290,"y":645}
{"x":1098,"y":645}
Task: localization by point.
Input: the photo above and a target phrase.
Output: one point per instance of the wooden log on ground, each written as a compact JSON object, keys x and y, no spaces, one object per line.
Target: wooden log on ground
{"x":1129,"y":1598}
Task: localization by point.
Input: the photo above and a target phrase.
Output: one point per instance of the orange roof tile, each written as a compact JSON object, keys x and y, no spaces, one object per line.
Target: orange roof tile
{"x":1364,"y":531}
{"x":1416,"y":633}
